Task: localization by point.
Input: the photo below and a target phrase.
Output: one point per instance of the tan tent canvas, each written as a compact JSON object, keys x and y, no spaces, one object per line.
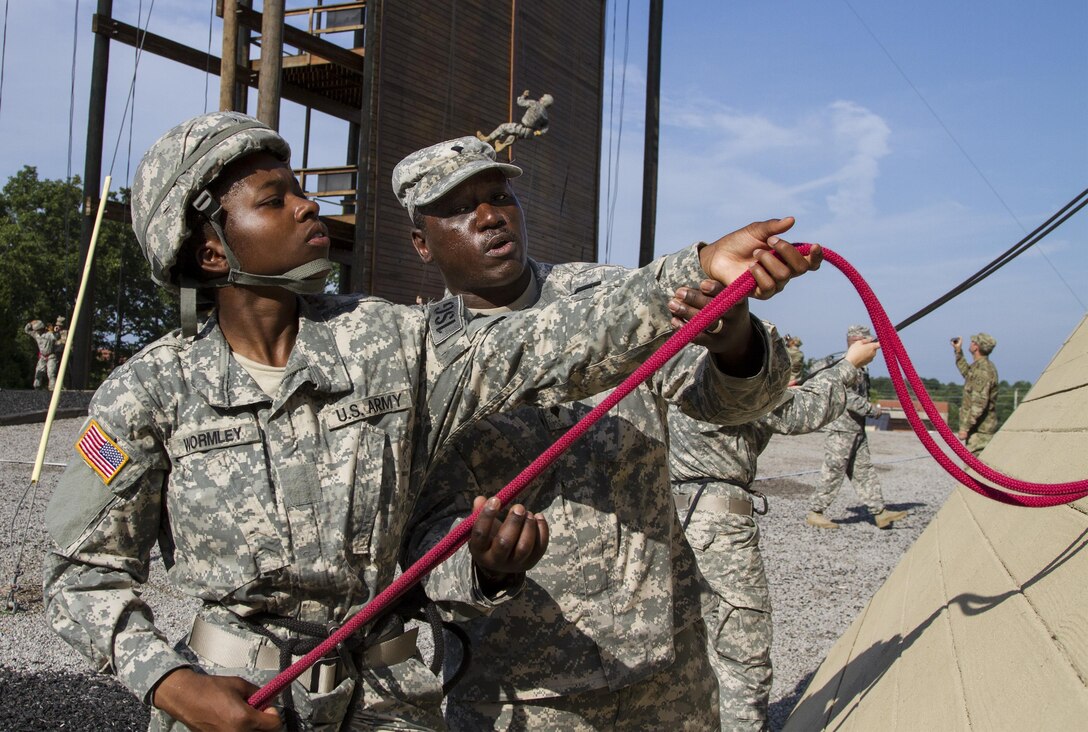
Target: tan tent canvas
{"x":983,"y":625}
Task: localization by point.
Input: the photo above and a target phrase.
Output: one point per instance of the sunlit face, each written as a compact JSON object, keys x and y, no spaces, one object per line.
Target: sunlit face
{"x":476,"y":235}
{"x":270,"y":225}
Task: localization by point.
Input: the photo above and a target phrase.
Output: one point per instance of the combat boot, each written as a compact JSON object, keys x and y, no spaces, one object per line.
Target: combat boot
{"x":885,"y":518}
{"x":817,"y":519}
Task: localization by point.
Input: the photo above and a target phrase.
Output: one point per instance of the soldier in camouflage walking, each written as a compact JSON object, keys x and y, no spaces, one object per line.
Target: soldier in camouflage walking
{"x":606,"y":633}
{"x":978,"y":410}
{"x":713,"y":468}
{"x":273,"y":452}
{"x":846,"y":454}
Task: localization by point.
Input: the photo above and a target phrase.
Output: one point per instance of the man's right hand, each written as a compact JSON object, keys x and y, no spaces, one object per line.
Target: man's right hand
{"x":752,"y":249}
{"x":212,"y":703}
{"x":862,"y":352}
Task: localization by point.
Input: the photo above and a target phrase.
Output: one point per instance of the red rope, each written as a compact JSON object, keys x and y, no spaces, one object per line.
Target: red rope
{"x":1036,"y":494}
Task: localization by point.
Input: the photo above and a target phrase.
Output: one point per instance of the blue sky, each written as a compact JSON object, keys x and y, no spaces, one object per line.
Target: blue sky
{"x":919,"y":140}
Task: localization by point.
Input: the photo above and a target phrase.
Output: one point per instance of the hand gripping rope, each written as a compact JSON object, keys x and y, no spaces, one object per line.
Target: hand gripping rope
{"x":1028,"y":494}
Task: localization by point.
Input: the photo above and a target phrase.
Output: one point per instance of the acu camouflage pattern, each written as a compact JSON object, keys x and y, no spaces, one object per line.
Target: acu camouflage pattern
{"x":671,"y":699}
{"x":978,"y":410}
{"x":428,"y":174}
{"x":297,"y":505}
{"x":618,"y":582}
{"x":722,"y":461}
{"x":846,"y":451}
{"x":180,"y":165}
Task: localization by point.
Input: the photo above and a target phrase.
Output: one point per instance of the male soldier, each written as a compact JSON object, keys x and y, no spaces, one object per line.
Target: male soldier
{"x":797,"y":359}
{"x":712,"y":469}
{"x":274,"y":454}
{"x":846,"y":454}
{"x":607,"y":631}
{"x":45,"y":368}
{"x":534,"y":123}
{"x":978,"y":410}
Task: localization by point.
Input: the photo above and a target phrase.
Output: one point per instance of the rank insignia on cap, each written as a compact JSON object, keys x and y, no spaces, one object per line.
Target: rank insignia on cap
{"x":100,"y":452}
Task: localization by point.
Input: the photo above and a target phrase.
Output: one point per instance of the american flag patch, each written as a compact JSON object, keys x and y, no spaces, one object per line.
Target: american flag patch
{"x":100,"y":452}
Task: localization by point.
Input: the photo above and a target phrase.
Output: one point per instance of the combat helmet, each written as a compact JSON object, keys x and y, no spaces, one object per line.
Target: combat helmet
{"x":175,"y":174}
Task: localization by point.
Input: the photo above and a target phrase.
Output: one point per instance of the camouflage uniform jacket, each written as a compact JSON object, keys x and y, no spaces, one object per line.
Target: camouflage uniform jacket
{"x":858,"y":406}
{"x":45,"y":341}
{"x":978,"y":411}
{"x":700,"y":452}
{"x":618,"y":580}
{"x":297,"y":505}
{"x":797,"y":363}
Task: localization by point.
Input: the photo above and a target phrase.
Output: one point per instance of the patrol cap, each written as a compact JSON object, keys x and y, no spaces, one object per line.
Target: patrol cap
{"x":859,"y":331}
{"x":36,"y":325}
{"x":177,"y":168}
{"x":61,"y":320}
{"x":985,"y":342}
{"x":428,"y":174}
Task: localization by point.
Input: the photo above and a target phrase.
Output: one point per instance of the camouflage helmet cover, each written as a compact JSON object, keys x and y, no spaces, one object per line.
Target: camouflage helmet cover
{"x":859,"y":331}
{"x":427,"y":175}
{"x":180,"y":165}
{"x":985,"y":342}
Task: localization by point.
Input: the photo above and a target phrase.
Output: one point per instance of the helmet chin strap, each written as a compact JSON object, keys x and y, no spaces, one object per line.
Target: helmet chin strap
{"x":306,"y":279}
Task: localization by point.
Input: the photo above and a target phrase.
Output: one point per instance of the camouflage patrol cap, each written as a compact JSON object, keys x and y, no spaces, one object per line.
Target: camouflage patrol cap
{"x":37,"y":325}
{"x":859,"y":331}
{"x":180,"y":165}
{"x":428,"y":174}
{"x":985,"y":342}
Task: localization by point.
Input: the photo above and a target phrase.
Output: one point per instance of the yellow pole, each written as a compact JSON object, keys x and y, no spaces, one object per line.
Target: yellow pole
{"x":40,"y":459}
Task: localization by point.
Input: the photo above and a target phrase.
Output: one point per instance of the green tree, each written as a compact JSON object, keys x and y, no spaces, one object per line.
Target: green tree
{"x":40,"y":271}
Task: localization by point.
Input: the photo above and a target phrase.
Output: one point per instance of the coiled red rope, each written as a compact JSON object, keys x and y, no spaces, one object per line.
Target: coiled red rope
{"x":1028,"y":494}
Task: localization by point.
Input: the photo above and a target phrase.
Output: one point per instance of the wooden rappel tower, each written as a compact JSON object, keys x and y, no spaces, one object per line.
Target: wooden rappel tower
{"x":402,"y":75}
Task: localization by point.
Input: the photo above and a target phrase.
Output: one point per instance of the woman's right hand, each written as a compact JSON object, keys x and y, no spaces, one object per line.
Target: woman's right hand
{"x":212,"y":703}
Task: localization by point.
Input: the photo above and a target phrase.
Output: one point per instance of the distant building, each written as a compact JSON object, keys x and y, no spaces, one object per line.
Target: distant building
{"x":895,"y":418}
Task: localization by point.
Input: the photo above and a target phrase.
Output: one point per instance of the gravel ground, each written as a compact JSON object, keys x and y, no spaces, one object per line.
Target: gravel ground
{"x":820,"y":579}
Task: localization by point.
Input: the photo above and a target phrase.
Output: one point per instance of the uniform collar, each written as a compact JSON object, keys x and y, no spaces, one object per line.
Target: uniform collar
{"x":315,"y":359}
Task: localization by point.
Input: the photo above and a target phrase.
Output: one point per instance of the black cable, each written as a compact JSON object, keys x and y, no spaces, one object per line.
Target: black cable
{"x":3,"y":53}
{"x":1007,"y":256}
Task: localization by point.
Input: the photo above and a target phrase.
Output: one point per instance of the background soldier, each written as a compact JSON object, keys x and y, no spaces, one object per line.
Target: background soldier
{"x":978,"y":410}
{"x":846,"y":453}
{"x":45,"y":368}
{"x":60,"y":330}
{"x":712,"y":469}
{"x":797,"y":359}
{"x":607,"y":632}
{"x":534,"y":123}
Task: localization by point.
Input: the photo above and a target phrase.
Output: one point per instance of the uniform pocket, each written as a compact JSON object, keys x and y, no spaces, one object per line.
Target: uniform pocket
{"x":217,"y":519}
{"x":375,"y":483}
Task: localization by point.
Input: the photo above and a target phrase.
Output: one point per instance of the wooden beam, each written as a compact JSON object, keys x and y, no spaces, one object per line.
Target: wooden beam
{"x":118,"y":31}
{"x":304,"y":41}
